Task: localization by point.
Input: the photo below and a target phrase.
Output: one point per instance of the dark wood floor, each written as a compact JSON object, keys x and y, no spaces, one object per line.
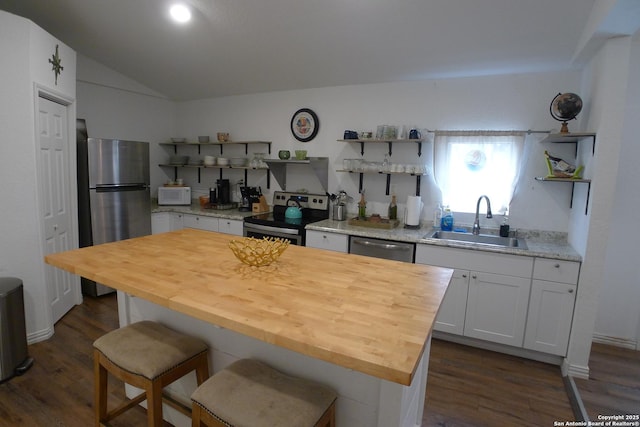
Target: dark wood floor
{"x":58,"y":389}
{"x":474,"y":387}
{"x":466,"y":386}
{"x":614,"y":384}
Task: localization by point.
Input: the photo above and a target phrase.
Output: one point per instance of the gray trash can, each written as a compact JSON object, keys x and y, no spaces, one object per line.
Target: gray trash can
{"x":14,"y":358}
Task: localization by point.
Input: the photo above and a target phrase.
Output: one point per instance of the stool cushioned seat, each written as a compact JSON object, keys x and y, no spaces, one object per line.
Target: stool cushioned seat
{"x":147,"y":348}
{"x":249,"y":393}
{"x":149,"y":356}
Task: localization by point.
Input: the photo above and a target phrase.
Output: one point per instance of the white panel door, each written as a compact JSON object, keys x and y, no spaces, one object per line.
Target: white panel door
{"x":54,"y":183}
{"x":550,"y":316}
{"x":454,"y":305}
{"x":497,"y":308}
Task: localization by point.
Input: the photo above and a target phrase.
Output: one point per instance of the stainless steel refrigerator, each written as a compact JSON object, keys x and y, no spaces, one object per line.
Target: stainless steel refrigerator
{"x":113,"y":195}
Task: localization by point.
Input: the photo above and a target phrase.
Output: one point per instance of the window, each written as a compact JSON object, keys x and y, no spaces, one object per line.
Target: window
{"x":469,"y":164}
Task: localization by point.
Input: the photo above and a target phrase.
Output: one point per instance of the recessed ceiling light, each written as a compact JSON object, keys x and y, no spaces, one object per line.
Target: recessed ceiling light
{"x":180,"y":13}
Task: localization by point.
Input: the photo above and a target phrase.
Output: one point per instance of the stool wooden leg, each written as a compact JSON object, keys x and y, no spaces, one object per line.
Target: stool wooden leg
{"x":328,"y":419}
{"x":154,"y":404}
{"x":100,"y":389}
{"x":202,"y":370}
{"x":195,"y":415}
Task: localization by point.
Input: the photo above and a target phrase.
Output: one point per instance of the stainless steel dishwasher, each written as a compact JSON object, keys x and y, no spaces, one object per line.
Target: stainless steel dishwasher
{"x":385,"y":249}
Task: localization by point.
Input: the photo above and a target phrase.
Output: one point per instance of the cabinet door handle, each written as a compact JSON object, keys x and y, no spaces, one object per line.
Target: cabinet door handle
{"x":570,"y":291}
{"x":557,"y":266}
{"x":464,"y":276}
{"x":474,"y":277}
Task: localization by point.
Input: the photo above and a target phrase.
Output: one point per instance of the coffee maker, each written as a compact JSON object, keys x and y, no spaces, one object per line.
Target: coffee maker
{"x":250,"y":195}
{"x":223,"y":191}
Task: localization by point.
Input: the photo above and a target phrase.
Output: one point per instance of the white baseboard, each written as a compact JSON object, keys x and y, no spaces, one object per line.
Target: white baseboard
{"x":614,"y":341}
{"x":38,"y":336}
{"x":576,"y":371}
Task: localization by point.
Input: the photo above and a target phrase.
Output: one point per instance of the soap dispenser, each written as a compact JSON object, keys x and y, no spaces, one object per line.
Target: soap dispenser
{"x":446,"y":223}
{"x":504,"y":227}
{"x":437,"y":216}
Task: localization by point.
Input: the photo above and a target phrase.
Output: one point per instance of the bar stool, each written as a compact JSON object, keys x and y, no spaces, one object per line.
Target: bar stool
{"x":149,"y":356}
{"x":249,"y":393}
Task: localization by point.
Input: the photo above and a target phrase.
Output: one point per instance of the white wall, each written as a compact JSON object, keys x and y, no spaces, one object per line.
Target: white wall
{"x":607,"y":80}
{"x":495,"y":102}
{"x":25,"y":70}
{"x":619,"y":300}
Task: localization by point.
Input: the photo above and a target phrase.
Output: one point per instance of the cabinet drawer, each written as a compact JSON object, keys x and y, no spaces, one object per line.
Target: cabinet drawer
{"x":201,"y":222}
{"x":556,"y":271}
{"x":230,"y":226}
{"x":330,"y":241}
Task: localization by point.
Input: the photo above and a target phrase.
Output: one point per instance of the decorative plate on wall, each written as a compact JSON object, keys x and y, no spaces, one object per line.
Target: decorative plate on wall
{"x":304,"y":125}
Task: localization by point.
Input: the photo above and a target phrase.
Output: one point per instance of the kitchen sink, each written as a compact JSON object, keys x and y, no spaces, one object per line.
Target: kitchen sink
{"x":480,"y":239}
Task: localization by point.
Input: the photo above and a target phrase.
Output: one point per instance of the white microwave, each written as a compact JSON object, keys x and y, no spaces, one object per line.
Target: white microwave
{"x":174,"y":195}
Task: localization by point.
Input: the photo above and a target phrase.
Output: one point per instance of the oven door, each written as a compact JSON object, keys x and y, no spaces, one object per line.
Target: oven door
{"x":259,"y":231}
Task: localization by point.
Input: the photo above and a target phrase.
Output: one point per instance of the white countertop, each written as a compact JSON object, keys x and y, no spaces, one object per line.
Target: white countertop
{"x":196,"y":209}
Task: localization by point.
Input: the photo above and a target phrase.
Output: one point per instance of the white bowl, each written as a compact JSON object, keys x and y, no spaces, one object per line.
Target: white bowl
{"x":223,"y":161}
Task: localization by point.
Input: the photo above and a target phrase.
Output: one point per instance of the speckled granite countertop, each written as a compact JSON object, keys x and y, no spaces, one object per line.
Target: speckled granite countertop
{"x":539,"y":244}
{"x":196,"y":209}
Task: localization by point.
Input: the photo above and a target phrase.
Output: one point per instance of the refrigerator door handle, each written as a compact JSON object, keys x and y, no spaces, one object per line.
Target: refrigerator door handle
{"x":103,"y":188}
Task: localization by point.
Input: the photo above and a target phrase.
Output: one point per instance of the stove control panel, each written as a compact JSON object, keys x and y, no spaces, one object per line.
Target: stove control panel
{"x":306,"y":200}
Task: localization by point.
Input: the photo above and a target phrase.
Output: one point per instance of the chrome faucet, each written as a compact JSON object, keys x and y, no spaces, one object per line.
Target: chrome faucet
{"x":476,"y":221}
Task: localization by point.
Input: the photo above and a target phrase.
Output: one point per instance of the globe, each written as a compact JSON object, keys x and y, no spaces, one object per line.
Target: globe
{"x":565,"y":107}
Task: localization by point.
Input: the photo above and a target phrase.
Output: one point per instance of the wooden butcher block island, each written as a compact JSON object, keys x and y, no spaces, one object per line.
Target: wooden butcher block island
{"x":365,"y":314}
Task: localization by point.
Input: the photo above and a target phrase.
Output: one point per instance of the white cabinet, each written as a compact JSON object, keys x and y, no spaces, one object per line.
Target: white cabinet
{"x":177,"y":221}
{"x":162,"y":222}
{"x":454,"y":305}
{"x":553,"y":294}
{"x":492,"y":297}
{"x":200,"y":222}
{"x":497,"y":308}
{"x":497,"y":296}
{"x":230,"y":226}
{"x":330,"y":241}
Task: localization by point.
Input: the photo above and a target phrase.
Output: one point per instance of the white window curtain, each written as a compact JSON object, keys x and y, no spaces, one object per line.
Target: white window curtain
{"x":468,"y":164}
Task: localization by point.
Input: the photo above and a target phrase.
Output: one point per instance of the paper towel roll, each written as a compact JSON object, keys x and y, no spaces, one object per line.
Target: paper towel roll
{"x":413,"y":211}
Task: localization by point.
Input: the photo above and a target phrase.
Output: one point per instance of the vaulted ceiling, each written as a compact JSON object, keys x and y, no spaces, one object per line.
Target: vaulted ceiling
{"x":233,"y":47}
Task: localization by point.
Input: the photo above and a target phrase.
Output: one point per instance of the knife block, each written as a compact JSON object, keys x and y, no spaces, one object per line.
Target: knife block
{"x":261,"y":206}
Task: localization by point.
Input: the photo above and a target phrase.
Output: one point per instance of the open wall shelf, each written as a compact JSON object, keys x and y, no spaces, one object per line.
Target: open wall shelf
{"x":574,"y":138}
